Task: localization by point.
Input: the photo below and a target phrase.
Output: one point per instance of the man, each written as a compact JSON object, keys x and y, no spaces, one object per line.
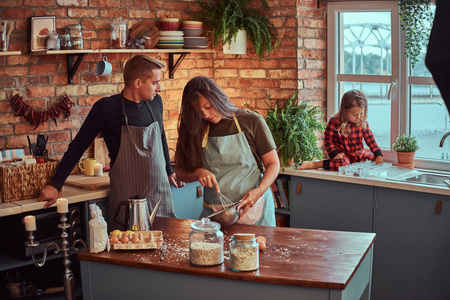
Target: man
{"x":132,"y":127}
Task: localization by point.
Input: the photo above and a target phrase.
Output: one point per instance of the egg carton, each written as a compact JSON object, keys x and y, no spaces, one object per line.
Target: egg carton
{"x":148,"y":240}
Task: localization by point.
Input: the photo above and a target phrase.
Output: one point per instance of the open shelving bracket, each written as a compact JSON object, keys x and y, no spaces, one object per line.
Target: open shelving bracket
{"x":173,"y":67}
{"x":71,"y":66}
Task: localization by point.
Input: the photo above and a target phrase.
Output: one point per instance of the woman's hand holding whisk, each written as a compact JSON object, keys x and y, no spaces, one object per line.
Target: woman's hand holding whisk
{"x":249,"y":200}
{"x":207,"y":179}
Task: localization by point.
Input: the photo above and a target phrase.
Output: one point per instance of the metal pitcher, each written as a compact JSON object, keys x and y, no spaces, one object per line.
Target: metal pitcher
{"x":137,"y":216}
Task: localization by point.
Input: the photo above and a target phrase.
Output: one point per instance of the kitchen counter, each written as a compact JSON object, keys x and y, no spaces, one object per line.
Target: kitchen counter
{"x":313,"y":264}
{"x":74,"y":195}
{"x":371,"y":181}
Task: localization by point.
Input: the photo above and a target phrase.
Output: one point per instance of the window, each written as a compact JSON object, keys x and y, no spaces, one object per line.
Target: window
{"x":365,"y":53}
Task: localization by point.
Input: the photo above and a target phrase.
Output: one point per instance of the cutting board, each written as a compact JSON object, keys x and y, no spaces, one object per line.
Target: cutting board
{"x":88,"y":182}
{"x":101,"y":152}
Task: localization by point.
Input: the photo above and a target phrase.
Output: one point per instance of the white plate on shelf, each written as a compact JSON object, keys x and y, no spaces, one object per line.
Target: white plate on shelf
{"x":171,"y":33}
{"x":171,"y":38}
{"x":169,"y":46}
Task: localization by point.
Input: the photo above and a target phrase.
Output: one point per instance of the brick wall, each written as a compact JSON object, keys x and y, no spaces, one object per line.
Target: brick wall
{"x":298,"y":64}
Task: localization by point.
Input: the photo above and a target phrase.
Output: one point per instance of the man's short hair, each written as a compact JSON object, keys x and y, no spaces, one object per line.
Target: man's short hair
{"x":140,"y":66}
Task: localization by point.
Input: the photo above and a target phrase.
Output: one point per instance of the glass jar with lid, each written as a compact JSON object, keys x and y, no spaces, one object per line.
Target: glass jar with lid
{"x":119,"y":34}
{"x":76,"y":33}
{"x":205,"y":243}
{"x":244,"y":252}
{"x":53,"y":42}
{"x":66,"y":43}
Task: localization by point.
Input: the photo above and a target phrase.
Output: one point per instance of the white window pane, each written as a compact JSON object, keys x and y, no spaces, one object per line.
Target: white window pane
{"x":366,"y":43}
{"x":378,"y":111}
{"x":429,"y":122}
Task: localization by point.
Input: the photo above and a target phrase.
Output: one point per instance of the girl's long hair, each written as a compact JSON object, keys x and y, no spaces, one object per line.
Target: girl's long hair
{"x":350,"y":99}
{"x":191,"y":125}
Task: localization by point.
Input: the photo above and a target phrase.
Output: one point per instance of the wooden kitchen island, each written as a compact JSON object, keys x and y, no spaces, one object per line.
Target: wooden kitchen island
{"x":297,"y":264}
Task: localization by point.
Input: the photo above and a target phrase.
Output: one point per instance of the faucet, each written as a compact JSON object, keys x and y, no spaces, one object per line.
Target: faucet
{"x":443,"y":139}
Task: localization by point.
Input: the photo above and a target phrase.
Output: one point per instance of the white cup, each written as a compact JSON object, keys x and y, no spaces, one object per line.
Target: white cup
{"x":104,"y":68}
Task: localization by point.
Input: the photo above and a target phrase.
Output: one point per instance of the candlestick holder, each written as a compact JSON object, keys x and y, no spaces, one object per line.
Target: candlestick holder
{"x":69,"y":283}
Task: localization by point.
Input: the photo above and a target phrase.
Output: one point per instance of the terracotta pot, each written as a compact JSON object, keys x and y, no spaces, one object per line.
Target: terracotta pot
{"x":405,"y":157}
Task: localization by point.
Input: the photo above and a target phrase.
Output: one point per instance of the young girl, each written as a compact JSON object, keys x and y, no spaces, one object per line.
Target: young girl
{"x":344,"y":134}
{"x":228,"y":150}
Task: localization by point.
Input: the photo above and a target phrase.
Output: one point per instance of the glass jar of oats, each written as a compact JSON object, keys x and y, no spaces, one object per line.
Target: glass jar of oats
{"x":205,"y":243}
{"x":244,"y":252}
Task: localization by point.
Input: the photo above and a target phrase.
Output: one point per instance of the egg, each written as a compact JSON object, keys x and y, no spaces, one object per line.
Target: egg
{"x":114,"y":239}
{"x":135,"y":239}
{"x":124,"y":239}
{"x":262,"y":242}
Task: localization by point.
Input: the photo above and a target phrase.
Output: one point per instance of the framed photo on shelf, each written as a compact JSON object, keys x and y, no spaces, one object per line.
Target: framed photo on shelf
{"x":40,"y":31}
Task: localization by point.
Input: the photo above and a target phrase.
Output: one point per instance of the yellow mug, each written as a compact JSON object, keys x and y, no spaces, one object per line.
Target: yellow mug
{"x":87,"y":166}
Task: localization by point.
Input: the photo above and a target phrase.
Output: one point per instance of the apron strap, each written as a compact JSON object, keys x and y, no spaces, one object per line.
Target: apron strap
{"x":237,"y":123}
{"x":124,"y":115}
{"x":205,"y":136}
{"x":150,"y":109}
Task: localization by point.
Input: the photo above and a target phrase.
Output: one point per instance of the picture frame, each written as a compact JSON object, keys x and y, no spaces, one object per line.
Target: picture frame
{"x":40,"y":30}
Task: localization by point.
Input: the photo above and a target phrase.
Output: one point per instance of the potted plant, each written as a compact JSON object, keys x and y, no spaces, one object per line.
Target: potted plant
{"x":417,"y":20}
{"x":293,"y":127}
{"x":406,"y":147}
{"x":229,"y":17}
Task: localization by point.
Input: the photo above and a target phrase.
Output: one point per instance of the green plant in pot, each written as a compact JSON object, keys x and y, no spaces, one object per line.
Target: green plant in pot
{"x":417,"y":20}
{"x":229,"y":17}
{"x":293,"y":127}
{"x":406,"y":146}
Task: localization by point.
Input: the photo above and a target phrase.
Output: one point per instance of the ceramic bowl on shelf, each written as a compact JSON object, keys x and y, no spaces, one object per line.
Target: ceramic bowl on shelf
{"x":169,"y":24}
{"x":192,"y":32}
{"x":192,"y":23}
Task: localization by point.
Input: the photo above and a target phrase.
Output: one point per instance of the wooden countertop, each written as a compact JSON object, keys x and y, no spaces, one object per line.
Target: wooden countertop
{"x":300,"y":257}
{"x":372,"y":181}
{"x":74,"y":195}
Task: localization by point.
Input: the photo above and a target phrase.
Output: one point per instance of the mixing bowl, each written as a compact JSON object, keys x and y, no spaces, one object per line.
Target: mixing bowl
{"x":227,"y":216}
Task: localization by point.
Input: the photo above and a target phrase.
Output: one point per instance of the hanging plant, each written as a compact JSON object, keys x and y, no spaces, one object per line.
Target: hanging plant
{"x":227,"y":17}
{"x":417,"y":20}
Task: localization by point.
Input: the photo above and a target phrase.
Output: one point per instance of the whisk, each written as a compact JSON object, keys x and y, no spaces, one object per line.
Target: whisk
{"x":224,"y":201}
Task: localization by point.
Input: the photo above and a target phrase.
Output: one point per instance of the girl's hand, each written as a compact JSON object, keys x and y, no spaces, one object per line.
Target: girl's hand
{"x":339,"y":156}
{"x":249,"y":200}
{"x":207,"y":179}
{"x":379,"y":160}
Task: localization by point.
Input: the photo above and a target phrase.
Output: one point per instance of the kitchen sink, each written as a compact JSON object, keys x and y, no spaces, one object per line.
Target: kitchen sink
{"x":430,"y":179}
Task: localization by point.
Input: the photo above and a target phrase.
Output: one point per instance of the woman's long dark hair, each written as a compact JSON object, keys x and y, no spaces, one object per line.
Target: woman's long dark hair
{"x":191,"y":125}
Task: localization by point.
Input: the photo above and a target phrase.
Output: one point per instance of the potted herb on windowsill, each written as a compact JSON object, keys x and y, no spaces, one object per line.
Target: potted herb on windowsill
{"x":293,"y":127}
{"x":228,"y":18}
{"x":406,"y":146}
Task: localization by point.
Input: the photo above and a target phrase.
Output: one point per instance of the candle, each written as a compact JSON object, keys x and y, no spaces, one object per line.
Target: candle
{"x":62,"y":205}
{"x":30,"y":223}
{"x":98,"y":169}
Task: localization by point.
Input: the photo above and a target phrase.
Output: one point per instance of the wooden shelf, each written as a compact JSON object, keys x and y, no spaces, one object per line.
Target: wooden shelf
{"x":10,"y":53}
{"x":72,"y":65}
{"x":176,"y":51}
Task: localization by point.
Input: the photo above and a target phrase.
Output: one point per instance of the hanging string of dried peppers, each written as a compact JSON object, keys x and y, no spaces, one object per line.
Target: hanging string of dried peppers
{"x":38,"y":117}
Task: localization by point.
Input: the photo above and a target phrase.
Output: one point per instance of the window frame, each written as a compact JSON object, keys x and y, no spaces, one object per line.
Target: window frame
{"x":400,"y":100}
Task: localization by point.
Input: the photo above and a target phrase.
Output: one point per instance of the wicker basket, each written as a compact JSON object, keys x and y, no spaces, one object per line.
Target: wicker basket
{"x":25,"y":182}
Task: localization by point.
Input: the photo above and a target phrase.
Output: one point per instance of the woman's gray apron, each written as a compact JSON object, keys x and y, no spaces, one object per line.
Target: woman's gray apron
{"x":140,"y":169}
{"x":231,"y":160}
